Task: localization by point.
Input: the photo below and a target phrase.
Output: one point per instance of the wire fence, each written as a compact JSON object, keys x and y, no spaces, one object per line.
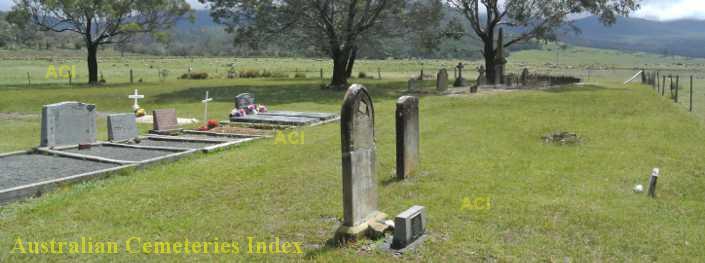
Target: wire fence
{"x":682,"y":90}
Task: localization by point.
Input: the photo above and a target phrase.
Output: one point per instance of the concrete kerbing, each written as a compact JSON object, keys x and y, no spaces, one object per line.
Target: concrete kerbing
{"x":83,"y":157}
{"x":227,"y":145}
{"x":218,"y":134}
{"x":171,"y":149}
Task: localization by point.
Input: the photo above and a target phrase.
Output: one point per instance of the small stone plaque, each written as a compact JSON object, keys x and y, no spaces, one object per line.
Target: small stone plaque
{"x":244,"y":100}
{"x":409,"y":226}
{"x":165,"y":120}
{"x":122,"y":127}
{"x":68,"y":123}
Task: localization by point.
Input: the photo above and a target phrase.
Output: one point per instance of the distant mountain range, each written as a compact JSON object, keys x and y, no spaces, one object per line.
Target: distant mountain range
{"x":679,"y":37}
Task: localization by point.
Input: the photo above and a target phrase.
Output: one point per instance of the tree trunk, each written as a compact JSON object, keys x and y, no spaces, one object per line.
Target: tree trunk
{"x":490,"y":62}
{"x":92,"y":64}
{"x":351,"y":62}
{"x":341,"y":59}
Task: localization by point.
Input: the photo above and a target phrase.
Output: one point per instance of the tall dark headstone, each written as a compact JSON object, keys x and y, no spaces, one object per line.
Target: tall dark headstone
{"x":407,"y":128}
{"x":358,"y":159}
{"x":524,"y":77}
{"x":165,"y":121}
{"x":500,"y":60}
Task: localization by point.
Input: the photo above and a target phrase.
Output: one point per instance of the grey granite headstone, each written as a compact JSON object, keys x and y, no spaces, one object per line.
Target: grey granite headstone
{"x":244,"y":100}
{"x":164,"y":120}
{"x":358,"y":159}
{"x":413,"y":85}
{"x":122,"y":127}
{"x":407,"y":128}
{"x":409,"y":226}
{"x":68,"y":123}
{"x":442,"y":80}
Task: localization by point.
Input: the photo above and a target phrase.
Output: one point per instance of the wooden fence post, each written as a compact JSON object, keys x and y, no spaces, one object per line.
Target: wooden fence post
{"x":29,"y":80}
{"x":677,"y":87}
{"x":132,"y":80}
{"x":663,"y":86}
{"x":691,"y":94}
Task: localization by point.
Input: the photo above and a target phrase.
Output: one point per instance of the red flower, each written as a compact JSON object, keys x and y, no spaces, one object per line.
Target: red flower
{"x":213,"y":124}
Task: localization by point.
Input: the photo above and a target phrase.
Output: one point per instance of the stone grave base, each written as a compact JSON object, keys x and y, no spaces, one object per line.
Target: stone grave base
{"x":149,"y":119}
{"x":374,"y":228}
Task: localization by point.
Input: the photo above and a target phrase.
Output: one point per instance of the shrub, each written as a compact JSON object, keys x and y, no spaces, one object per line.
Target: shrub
{"x":249,"y":73}
{"x":300,"y":75}
{"x":362,"y":75}
{"x":195,"y":75}
{"x":266,"y":74}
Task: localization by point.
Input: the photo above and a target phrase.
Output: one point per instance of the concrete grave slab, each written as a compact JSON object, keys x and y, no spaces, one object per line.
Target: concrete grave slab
{"x":68,"y":123}
{"x":28,"y":168}
{"x":273,"y":119}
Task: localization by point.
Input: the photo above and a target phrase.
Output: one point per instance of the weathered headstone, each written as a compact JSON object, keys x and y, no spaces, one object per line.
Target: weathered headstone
{"x":122,"y":127}
{"x":358,"y":160}
{"x":165,"y":121}
{"x":244,"y":100}
{"x":68,"y":123}
{"x":524,"y":77}
{"x":481,"y":78}
{"x":442,"y":80}
{"x":412,"y":85}
{"x":407,"y":128}
{"x":409,"y":226}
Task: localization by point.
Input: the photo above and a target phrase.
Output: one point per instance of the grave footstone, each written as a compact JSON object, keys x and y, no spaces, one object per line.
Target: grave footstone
{"x":407,"y":129}
{"x":358,"y":161}
{"x":442,"y":80}
{"x":122,"y":127}
{"x":409,"y":226}
{"x":165,"y":121}
{"x":68,"y":123}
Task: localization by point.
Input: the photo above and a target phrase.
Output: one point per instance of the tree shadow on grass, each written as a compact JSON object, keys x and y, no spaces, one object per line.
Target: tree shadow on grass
{"x":278,"y":94}
{"x":574,"y":88}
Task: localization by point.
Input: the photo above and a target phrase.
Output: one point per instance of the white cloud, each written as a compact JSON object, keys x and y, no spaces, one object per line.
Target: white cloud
{"x":672,"y":9}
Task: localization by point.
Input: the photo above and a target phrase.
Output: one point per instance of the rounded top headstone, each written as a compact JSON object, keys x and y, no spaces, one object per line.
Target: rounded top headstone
{"x":357,"y":119}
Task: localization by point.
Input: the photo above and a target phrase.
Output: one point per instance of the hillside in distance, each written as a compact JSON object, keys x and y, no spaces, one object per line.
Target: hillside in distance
{"x":678,"y":37}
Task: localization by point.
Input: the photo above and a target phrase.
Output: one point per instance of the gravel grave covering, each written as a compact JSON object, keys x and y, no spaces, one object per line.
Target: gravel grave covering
{"x":23,"y":169}
{"x":121,"y":153}
{"x":175,"y":144}
{"x":241,"y":130}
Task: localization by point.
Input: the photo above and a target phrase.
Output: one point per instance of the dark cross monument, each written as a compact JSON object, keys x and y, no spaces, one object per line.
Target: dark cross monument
{"x":361,"y":217}
{"x":460,"y":81}
{"x":407,"y":127}
{"x":500,"y":61}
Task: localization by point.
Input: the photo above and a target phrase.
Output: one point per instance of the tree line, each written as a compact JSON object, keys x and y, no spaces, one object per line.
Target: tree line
{"x":343,"y":30}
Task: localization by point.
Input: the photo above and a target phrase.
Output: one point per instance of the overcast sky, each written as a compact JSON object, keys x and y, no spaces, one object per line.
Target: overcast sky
{"x":651,"y":9}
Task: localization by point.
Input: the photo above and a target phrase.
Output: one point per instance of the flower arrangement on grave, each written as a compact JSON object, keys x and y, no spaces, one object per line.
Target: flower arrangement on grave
{"x":140,"y":113}
{"x":251,"y":109}
{"x":211,"y":124}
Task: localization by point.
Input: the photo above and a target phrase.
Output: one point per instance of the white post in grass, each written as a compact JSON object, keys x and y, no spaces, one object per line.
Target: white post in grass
{"x":205,"y":108}
{"x":136,"y":96}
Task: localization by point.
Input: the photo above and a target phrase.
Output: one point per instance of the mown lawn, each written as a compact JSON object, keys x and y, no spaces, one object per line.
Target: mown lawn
{"x":548,"y":202}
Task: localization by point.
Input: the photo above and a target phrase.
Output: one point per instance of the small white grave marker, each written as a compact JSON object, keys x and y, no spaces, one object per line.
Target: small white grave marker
{"x":136,"y":96}
{"x":205,"y":107}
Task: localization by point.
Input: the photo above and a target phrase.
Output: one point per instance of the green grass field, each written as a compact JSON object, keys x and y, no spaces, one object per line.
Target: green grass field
{"x":548,"y":203}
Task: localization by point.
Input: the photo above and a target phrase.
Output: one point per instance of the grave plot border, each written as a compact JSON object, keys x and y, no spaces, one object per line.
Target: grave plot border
{"x":38,"y":188}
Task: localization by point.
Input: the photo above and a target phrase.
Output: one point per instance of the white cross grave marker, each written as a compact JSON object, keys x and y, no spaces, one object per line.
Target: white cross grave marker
{"x":205,"y":105}
{"x":136,"y":96}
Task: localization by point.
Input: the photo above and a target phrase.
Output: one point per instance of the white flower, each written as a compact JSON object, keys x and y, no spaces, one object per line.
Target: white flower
{"x":638,"y":188}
